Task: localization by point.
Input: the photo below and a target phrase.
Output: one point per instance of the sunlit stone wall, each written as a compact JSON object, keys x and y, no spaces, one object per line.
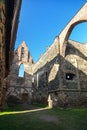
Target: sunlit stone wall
{"x":21,"y":86}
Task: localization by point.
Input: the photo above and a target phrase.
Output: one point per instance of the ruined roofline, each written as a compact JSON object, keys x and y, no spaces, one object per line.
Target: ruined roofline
{"x":77,"y":42}
{"x":64,"y":30}
{"x":73,"y":17}
{"x":50,"y":47}
{"x":56,"y":38}
{"x":23,"y":42}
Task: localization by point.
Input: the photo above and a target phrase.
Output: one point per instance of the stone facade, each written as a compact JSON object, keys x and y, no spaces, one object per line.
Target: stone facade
{"x":60,"y":73}
{"x":21,"y":86}
{"x":2,"y":46}
{"x":48,"y":75}
{"x":9,"y":12}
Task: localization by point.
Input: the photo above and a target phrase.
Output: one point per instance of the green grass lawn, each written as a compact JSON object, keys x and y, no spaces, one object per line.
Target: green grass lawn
{"x":40,"y":119}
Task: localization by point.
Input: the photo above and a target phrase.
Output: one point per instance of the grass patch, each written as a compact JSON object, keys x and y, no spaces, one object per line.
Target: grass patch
{"x":68,"y":119}
{"x":39,"y":105}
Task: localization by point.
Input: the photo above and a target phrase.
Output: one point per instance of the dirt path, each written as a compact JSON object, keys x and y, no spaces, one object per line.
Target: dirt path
{"x":48,"y":117}
{"x":42,"y":113}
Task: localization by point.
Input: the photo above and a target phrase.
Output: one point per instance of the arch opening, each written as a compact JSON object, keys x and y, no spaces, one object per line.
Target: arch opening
{"x":21,"y":71}
{"x":79,"y":33}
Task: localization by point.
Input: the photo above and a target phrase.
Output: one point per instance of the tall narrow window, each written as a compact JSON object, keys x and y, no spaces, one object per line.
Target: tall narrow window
{"x":22,"y":50}
{"x":21,"y":71}
{"x":22,"y":53}
{"x":37,"y":80}
{"x":46,"y":76}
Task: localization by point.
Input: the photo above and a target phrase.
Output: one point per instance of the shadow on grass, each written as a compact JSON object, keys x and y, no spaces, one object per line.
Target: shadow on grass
{"x":68,"y":119}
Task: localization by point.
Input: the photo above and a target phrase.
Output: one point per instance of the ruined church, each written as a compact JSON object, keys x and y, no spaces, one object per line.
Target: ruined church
{"x":60,"y":72}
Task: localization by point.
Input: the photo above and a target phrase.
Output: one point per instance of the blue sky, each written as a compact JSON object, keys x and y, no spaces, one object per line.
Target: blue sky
{"x":42,"y":20}
{"x":21,"y":71}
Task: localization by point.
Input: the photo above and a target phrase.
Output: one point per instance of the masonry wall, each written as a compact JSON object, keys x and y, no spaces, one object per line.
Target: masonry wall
{"x":21,"y":87}
{"x":64,"y":78}
{"x":46,"y":72}
{"x":2,"y":48}
{"x":75,"y":64}
{"x":50,"y":54}
{"x":8,"y":29}
{"x":66,"y":85}
{"x":62,"y":71}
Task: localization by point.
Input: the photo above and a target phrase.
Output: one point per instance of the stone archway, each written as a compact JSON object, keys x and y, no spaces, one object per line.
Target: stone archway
{"x":80,"y":17}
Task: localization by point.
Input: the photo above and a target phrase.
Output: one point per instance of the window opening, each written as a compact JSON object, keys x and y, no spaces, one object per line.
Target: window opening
{"x":22,"y":53}
{"x":22,"y":50}
{"x":21,"y":71}
{"x":46,"y":76}
{"x":81,"y":33}
{"x":69,"y":76}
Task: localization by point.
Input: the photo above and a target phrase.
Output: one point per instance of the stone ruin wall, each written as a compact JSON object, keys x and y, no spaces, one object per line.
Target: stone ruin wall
{"x":45,"y":72}
{"x":62,"y":70}
{"x":48,"y":71}
{"x":44,"y":77}
{"x":21,"y":87}
{"x":8,"y":27}
{"x":2,"y":48}
{"x":75,"y":62}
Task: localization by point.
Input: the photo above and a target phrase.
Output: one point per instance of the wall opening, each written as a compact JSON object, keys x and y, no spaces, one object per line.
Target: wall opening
{"x":22,"y":53}
{"x":21,"y":71}
{"x":46,"y":76}
{"x":79,"y":33}
{"x":70,"y":76}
